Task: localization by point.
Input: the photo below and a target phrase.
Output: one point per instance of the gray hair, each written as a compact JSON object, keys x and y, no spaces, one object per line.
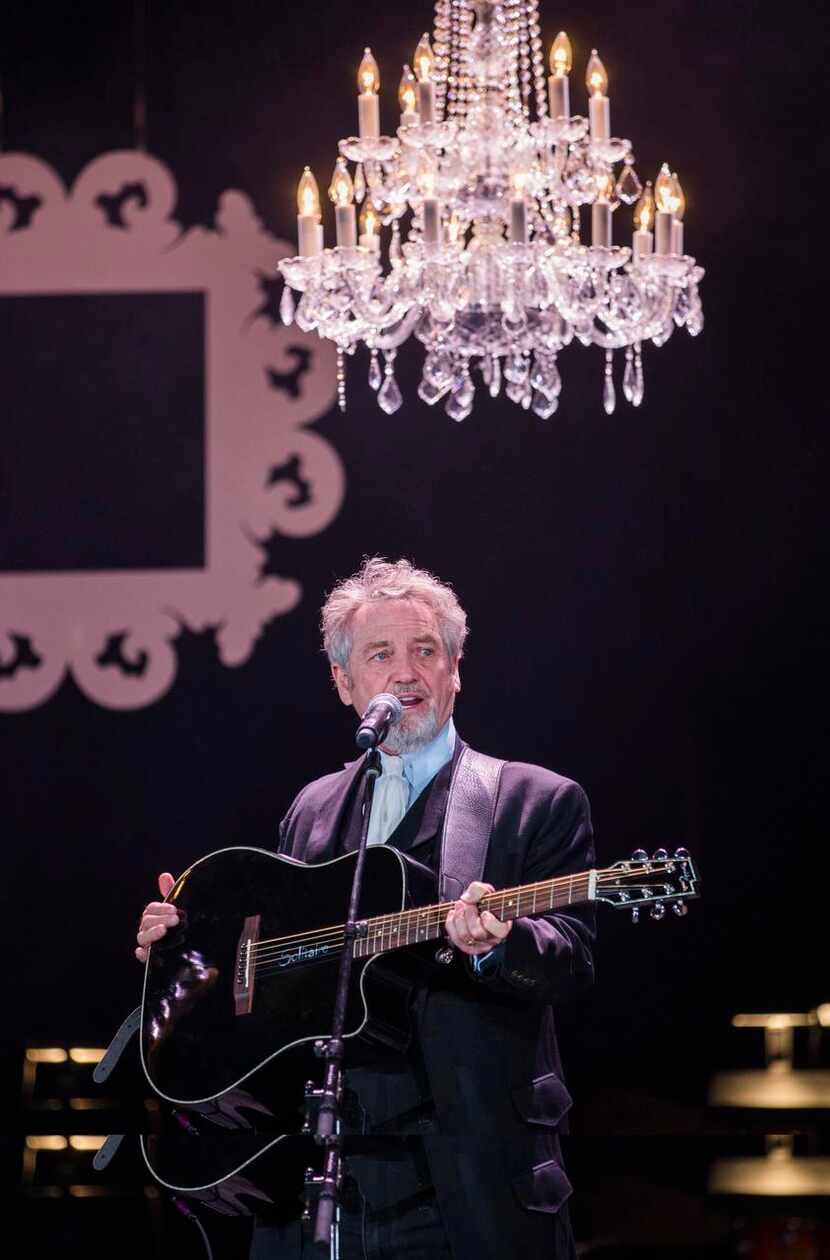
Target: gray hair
{"x":389,"y":579}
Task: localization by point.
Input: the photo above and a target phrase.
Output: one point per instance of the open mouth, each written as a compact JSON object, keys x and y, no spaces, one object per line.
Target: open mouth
{"x":411,"y":702}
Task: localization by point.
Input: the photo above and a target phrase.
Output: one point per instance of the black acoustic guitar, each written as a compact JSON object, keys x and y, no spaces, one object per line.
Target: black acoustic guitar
{"x":250,"y":972}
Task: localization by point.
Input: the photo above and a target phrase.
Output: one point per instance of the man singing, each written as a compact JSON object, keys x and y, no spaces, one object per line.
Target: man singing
{"x":461,"y":1153}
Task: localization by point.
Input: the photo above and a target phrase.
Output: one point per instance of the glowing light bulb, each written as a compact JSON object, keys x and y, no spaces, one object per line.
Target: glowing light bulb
{"x":341,"y":188}
{"x":308,"y":194}
{"x":453,"y":228}
{"x":424,"y":59}
{"x":596,"y":77}
{"x":664,"y":190}
{"x":678,"y":198}
{"x":561,"y":55}
{"x":368,"y":75}
{"x":369,"y":220}
{"x":407,"y":93}
{"x":519,"y":180}
{"x":644,"y":210}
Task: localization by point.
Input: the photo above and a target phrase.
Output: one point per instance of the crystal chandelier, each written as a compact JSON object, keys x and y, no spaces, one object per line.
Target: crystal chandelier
{"x":472,"y":233}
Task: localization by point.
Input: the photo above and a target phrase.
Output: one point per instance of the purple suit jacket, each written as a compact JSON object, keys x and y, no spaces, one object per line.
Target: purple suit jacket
{"x":489,"y":1042}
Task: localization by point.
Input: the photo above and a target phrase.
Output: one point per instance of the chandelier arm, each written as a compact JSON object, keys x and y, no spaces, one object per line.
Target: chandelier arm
{"x":396,"y":335}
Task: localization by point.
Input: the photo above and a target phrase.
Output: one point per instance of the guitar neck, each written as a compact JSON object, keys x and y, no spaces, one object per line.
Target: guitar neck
{"x":410,"y":927}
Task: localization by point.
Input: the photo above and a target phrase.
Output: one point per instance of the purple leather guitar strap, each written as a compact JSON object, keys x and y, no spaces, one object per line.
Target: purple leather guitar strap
{"x":471,"y":808}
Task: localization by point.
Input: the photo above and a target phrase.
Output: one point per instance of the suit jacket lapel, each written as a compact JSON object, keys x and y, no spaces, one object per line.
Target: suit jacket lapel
{"x":328,"y":815}
{"x":434,"y":806}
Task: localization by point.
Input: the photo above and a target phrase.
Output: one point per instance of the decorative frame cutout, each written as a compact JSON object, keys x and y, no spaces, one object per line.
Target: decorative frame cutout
{"x":265,"y":470}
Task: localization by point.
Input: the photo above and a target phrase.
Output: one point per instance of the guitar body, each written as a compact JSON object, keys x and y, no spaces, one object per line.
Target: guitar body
{"x":209,"y":1023}
{"x":235,"y":996}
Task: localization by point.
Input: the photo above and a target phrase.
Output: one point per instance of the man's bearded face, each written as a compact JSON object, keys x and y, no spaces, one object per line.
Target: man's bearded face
{"x":397,"y":647}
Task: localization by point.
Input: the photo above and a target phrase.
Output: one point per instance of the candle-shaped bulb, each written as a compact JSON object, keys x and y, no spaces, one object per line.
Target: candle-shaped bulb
{"x":644,"y":210}
{"x":369,"y":220}
{"x":561,"y":55}
{"x":453,"y":228}
{"x":407,"y":94}
{"x":308,"y":194}
{"x":678,"y":198}
{"x":604,"y":183}
{"x":341,"y":188}
{"x":518,"y":179}
{"x":424,"y":59}
{"x":664,"y":190}
{"x":368,"y":75}
{"x":596,"y":77}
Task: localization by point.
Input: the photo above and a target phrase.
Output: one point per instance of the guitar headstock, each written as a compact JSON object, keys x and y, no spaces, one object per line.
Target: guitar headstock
{"x":656,"y":881}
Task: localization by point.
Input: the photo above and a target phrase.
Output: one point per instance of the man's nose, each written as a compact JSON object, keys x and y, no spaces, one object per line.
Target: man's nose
{"x":405,"y":674}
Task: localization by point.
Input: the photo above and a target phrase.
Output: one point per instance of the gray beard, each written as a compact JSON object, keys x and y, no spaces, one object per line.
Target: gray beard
{"x":418,"y":732}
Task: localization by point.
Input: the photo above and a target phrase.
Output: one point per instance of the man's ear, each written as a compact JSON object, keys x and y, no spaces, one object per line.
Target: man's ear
{"x":456,"y":676}
{"x":342,"y":682}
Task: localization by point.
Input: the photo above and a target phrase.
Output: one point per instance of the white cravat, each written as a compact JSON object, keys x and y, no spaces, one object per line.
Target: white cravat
{"x":390,"y":801}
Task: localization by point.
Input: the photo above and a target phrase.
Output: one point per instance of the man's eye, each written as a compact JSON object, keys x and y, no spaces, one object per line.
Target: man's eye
{"x":427,"y":651}
{"x":380,"y":656}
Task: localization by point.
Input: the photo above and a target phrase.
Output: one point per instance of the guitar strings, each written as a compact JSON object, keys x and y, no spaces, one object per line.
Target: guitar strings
{"x":264,"y":952}
{"x":439,"y":911}
{"x":380,"y":922}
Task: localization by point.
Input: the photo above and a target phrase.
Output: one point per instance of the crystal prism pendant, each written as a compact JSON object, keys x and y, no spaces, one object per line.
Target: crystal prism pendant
{"x":494,"y":384}
{"x":389,"y":395}
{"x":375,"y":374}
{"x":286,"y":306}
{"x":359,"y":183}
{"x":694,"y":324}
{"x":459,"y":404}
{"x":639,"y":380}
{"x":430,"y":393}
{"x":629,"y":377}
{"x":543,"y":406}
{"x":681,"y":308}
{"x":609,"y":394}
{"x":628,"y":187}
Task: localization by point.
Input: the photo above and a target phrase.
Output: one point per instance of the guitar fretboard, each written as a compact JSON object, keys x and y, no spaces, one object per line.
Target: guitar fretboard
{"x":391,"y":931}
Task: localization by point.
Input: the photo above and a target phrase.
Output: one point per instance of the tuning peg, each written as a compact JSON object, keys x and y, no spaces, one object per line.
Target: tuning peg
{"x":661,"y":855}
{"x":681,"y":854}
{"x":680,"y":908}
{"x":635,"y":914}
{"x":657,"y":911}
{"x":639,"y":855}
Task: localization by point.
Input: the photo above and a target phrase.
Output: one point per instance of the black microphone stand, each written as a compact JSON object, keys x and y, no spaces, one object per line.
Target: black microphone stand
{"x":331,"y":1049}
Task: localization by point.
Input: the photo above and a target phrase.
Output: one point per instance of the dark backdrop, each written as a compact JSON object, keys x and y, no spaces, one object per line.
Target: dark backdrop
{"x":645,"y":591}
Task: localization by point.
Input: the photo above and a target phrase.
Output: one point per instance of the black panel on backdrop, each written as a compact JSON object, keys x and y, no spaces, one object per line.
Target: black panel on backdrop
{"x":103,"y":467}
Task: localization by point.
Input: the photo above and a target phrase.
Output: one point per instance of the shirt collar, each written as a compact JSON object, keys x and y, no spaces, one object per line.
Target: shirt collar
{"x":421,"y":767}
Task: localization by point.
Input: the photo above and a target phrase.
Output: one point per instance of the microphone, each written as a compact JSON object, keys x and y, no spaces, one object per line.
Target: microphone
{"x":382,"y":712}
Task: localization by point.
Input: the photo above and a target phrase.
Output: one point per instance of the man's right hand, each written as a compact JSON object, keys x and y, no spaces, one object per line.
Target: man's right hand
{"x":156,"y":919}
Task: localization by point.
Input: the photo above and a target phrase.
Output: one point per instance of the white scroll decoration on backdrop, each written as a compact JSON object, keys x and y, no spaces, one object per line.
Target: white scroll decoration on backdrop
{"x":51,"y":623}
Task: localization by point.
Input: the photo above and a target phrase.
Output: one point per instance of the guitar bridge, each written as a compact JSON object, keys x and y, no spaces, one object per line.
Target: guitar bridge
{"x":243,"y":976}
